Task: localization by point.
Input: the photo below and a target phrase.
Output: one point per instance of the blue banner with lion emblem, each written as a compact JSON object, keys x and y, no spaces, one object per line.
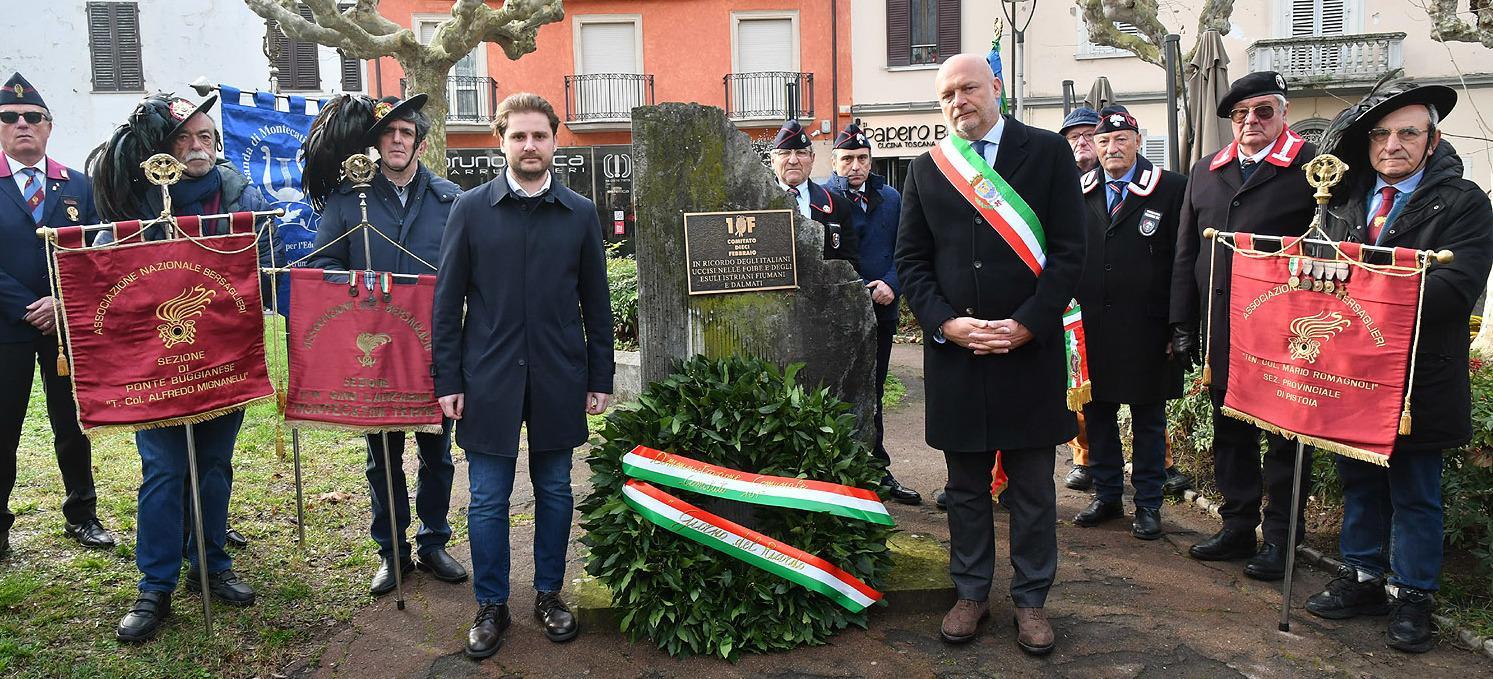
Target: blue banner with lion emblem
{"x":264,"y":143}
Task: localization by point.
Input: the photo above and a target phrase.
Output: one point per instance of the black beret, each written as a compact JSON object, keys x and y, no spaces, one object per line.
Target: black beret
{"x":1115,"y":119}
{"x":18,"y":91}
{"x":1255,"y":84}
{"x":791,"y":136}
{"x":852,"y":138}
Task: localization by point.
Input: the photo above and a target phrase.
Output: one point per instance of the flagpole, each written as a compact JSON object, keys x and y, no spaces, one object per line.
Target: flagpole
{"x":300,"y":501}
{"x":207,"y":606}
{"x":1285,"y":594}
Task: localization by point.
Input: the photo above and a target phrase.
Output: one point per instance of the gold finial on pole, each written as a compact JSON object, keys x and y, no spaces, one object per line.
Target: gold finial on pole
{"x":163,"y":170}
{"x":1323,"y":173}
{"x":359,"y":168}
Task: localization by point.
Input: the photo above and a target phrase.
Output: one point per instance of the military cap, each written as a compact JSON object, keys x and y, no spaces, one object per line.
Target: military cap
{"x":18,"y":91}
{"x":390,"y":109}
{"x":1255,"y":84}
{"x":1115,"y":119}
{"x":852,"y":138}
{"x":791,"y":136}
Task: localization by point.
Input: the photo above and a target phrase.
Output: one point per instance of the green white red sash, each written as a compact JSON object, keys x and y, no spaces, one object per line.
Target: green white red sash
{"x":1080,"y":390}
{"x":994,"y":199}
{"x":675,"y":471}
{"x":740,"y":542}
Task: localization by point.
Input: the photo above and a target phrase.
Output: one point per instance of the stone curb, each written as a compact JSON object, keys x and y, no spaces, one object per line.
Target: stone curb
{"x":1464,"y":638}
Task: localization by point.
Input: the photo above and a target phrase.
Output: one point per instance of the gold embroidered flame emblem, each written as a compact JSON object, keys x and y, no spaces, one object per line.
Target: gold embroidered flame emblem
{"x":20,"y":90}
{"x":177,"y":315}
{"x":367,"y":342}
{"x":1308,"y":333}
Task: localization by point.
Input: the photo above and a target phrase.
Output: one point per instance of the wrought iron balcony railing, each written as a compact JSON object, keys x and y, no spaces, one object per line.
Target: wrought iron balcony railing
{"x":769,"y":94}
{"x":597,"y":97}
{"x":469,"y":99}
{"x":1325,"y":59}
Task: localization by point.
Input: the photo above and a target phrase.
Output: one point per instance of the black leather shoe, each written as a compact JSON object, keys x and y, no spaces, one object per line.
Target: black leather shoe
{"x":1079,"y":478}
{"x":4,"y":541}
{"x":559,"y":624}
{"x":91,"y":533}
{"x":1268,"y":564}
{"x":144,"y":619}
{"x":236,"y":539}
{"x":1410,"y":626}
{"x":1098,"y":512}
{"x":486,"y":635}
{"x":383,"y":580}
{"x":1176,"y":481}
{"x":941,"y":500}
{"x":1347,"y":597}
{"x":900,"y":493}
{"x":1147,"y":525}
{"x":440,"y":564}
{"x":1229,"y":543}
{"x":225,"y":586}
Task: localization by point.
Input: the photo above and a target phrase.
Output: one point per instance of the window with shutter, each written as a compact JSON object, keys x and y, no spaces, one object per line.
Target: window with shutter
{"x":1309,"y":18}
{"x":1154,"y":149}
{"x":352,"y":74}
{"x":296,"y":60}
{"x":467,"y":84}
{"x":114,"y":46}
{"x":1088,"y":49}
{"x":923,"y":31}
{"x":766,"y":62}
{"x":898,"y":32}
{"x":948,"y":29}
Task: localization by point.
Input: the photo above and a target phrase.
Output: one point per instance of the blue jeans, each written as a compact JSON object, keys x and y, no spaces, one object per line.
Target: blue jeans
{"x":491,"y":478}
{"x":1107,"y":456}
{"x":432,"y":491}
{"x":163,"y":463}
{"x":1392,"y":518}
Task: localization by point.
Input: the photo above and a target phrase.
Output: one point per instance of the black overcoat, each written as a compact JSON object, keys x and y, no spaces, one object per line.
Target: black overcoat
{"x":1276,"y":201}
{"x":951,"y":263}
{"x":1446,"y":212}
{"x":538,"y":317}
{"x":1126,"y":287}
{"x":833,"y":211}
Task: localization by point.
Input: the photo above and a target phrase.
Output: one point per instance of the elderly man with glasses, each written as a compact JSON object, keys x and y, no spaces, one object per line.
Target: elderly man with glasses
{"x":792,"y":160}
{"x":1255,"y":184}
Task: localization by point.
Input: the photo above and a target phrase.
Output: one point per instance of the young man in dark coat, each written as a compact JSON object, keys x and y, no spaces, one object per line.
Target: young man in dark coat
{"x":876,"y":208}
{"x":408,"y":204}
{"x":1133,"y":211}
{"x":1256,"y":184}
{"x":1405,"y":189}
{"x":523,"y":255}
{"x":990,"y":298}
{"x":40,"y":192}
{"x":792,"y":158}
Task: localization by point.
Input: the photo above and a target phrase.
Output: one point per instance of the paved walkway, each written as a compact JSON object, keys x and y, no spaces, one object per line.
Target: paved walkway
{"x":1121,"y":608}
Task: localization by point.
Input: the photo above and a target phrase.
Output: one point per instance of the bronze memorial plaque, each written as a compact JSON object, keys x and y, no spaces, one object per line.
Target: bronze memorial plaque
{"x":740,"y":251}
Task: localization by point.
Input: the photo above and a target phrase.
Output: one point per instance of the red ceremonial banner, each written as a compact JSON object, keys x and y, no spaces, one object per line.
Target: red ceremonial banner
{"x":1320,"y":348}
{"x":163,"y":332}
{"x":360,"y":352}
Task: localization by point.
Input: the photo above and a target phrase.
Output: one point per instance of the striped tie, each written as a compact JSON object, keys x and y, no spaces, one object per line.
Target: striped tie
{"x":1118,"y":186}
{"x":32,"y":192}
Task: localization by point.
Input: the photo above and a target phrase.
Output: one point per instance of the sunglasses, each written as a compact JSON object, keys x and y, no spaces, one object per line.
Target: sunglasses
{"x":1265,"y":112}
{"x":33,"y":117}
{"x":1406,"y":135}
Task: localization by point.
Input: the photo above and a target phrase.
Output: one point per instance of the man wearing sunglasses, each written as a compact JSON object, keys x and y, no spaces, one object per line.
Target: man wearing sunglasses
{"x":1255,"y":184}
{"x":40,"y":192}
{"x":1405,"y":189}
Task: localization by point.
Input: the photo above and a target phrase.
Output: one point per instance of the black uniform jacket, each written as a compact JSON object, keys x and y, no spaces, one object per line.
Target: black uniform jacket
{"x":833,"y":211}
{"x":1446,"y":212}
{"x":1126,"y":286}
{"x":537,"y":332}
{"x":1276,"y":201}
{"x":952,"y":263}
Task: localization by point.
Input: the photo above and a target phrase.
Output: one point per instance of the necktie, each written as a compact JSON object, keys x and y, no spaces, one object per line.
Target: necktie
{"x":1381,"y":217}
{"x":860,"y":199}
{"x":1117,"y":187}
{"x":980,"y":147}
{"x":32,"y":192}
{"x":1247,"y":167}
{"x":793,"y":192}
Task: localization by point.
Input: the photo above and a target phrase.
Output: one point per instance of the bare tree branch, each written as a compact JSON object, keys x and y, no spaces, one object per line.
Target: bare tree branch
{"x":334,"y":29}
{"x":1100,"y":17}
{"x":1448,"y":27}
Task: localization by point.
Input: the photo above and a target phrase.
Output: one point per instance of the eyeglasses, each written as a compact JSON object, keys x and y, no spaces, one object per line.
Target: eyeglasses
{"x":1086,"y":136}
{"x":1265,"y":112}
{"x":1406,"y":135}
{"x":793,"y":153}
{"x":33,"y":117}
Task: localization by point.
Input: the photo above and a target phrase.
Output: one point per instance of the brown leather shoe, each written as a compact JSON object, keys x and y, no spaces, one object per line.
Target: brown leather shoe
{"x":1034,"y":635}
{"x":963,"y":620}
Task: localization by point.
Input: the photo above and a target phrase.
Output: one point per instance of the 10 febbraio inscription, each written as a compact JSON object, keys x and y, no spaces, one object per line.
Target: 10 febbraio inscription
{"x":740,"y":251}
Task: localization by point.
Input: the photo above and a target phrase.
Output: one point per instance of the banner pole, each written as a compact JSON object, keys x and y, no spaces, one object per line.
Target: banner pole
{"x":207,"y":606}
{"x":300,"y":500}
{"x":1285,"y":596}
{"x":393,"y":524}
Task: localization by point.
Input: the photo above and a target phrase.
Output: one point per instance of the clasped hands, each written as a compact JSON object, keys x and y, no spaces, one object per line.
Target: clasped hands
{"x":986,"y":337}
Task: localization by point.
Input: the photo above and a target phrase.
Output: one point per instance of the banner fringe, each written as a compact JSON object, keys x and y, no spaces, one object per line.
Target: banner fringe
{"x":1324,"y":444}
{"x":1080,"y":396}
{"x":330,"y":426}
{"x":175,"y":421}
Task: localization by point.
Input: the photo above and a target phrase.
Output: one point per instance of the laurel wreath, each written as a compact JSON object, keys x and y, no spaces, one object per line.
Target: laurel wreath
{"x":744,"y":414}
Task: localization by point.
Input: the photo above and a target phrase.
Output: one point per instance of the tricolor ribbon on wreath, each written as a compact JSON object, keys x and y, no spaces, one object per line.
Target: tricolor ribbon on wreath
{"x":1000,"y":206}
{"x":647,"y":465}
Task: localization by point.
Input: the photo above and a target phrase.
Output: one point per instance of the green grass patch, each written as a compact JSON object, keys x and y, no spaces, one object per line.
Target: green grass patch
{"x":893,"y":394}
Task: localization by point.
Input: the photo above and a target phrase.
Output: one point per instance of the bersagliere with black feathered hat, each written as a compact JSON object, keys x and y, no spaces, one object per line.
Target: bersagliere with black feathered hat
{"x":348,"y":125}
{"x":119,"y":182}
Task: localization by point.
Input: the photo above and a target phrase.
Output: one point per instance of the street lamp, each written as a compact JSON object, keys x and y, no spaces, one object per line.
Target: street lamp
{"x":1019,"y":15}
